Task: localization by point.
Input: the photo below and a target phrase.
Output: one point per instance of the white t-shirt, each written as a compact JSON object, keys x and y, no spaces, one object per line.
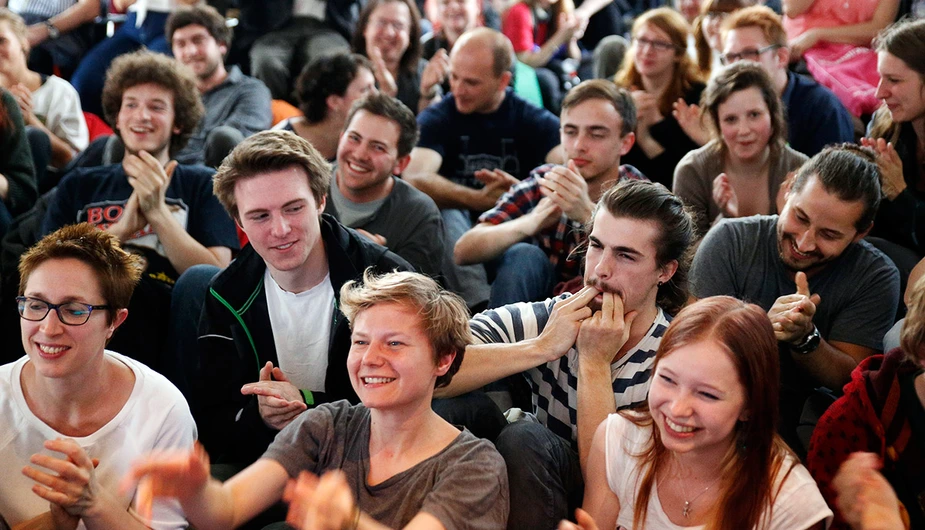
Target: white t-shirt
{"x":309,"y":8}
{"x":301,"y":324}
{"x":156,"y":416}
{"x":57,"y":105}
{"x":798,"y":505}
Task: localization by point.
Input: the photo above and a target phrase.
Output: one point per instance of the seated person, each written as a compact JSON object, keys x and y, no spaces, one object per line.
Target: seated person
{"x":834,"y":37}
{"x":537,"y":225}
{"x":75,"y":415}
{"x":865,"y":497}
{"x":367,"y":193}
{"x":274,"y":184}
{"x":747,"y":155}
{"x":326,"y":90}
{"x":60,"y":33}
{"x":18,"y":187}
{"x":544,"y":34}
{"x":48,"y":103}
{"x":830,"y":295}
{"x":236,"y":105}
{"x":154,"y":206}
{"x":388,"y":32}
{"x":635,"y":279}
{"x":704,"y":452}
{"x":451,"y":18}
{"x":705,"y":33}
{"x":896,"y":132}
{"x":658,"y":71}
{"x":881,"y":412}
{"x":400,"y":464}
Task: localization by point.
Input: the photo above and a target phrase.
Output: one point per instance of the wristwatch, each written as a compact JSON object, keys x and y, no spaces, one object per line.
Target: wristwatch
{"x":808,"y":344}
{"x":53,"y":32}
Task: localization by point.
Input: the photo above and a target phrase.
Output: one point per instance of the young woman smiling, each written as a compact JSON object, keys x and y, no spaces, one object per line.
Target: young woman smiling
{"x":747,"y":153}
{"x":704,"y":454}
{"x":658,"y":71}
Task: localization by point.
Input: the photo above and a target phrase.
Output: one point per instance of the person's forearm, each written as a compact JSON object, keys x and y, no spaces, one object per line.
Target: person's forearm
{"x":61,"y":151}
{"x":182,"y":250}
{"x":590,"y":7}
{"x":212,"y":509}
{"x":595,"y":402}
{"x":649,"y":145}
{"x":75,"y":16}
{"x":793,"y":8}
{"x":485,"y":241}
{"x":444,"y":192}
{"x":828,"y":365}
{"x":858,"y":34}
{"x":109,"y":513}
{"x":486,"y":363}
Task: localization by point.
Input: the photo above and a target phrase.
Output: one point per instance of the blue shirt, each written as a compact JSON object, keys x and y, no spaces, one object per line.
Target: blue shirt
{"x":815,"y":116}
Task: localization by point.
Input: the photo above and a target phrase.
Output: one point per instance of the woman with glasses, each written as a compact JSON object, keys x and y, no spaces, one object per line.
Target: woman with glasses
{"x":74,"y":415}
{"x":388,"y":32}
{"x":704,"y":453}
{"x":658,"y":72}
{"x":739,"y":172}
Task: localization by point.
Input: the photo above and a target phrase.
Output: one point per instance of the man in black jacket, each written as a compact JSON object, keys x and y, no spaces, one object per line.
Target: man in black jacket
{"x":272,"y":340}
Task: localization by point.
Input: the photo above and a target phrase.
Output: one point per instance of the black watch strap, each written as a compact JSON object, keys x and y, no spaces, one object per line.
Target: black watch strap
{"x":809,"y":344}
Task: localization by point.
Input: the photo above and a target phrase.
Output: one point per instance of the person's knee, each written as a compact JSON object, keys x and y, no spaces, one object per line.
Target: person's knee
{"x":526,"y":256}
{"x":524,"y":445}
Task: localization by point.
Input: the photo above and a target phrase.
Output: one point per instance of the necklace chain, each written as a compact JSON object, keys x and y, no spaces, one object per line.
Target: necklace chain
{"x":687,"y":509}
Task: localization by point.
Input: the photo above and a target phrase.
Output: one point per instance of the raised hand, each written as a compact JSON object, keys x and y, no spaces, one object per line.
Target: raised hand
{"x":384,"y":77}
{"x":647,"y":113}
{"x":70,"y":482}
{"x":497,"y":182}
{"x":375,"y":238}
{"x":170,"y":474}
{"x":278,"y":400}
{"x":603,"y":334}
{"x":688,"y":117}
{"x":435,"y":72}
{"x":585,"y":522}
{"x":24,"y":98}
{"x":544,"y":215}
{"x":564,"y":323}
{"x":891,"y":166}
{"x":725,"y":196}
{"x":864,"y":497}
{"x":792,"y":315}
{"x":565,"y":186}
{"x":149,"y":180}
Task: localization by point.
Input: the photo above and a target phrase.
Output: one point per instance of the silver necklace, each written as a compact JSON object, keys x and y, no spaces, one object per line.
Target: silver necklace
{"x":686,"y":510}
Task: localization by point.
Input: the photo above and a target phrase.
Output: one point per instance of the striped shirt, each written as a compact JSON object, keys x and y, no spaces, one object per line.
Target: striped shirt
{"x":555,"y":384}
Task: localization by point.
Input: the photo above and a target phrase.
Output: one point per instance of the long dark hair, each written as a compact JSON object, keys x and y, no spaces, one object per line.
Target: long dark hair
{"x":904,"y":40}
{"x":409,"y":60}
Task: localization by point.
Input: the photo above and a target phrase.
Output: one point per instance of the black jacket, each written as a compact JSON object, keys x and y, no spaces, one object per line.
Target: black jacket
{"x":236,"y":340}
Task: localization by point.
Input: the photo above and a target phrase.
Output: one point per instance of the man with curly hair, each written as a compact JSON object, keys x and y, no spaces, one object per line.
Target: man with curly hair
{"x":162,"y":210}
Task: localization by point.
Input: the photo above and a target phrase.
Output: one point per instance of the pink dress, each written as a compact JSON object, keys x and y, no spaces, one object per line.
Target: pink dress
{"x":849,"y":71}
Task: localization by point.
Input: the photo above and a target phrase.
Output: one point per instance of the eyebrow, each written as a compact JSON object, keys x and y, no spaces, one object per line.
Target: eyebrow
{"x":618,"y":248}
{"x":286,"y":205}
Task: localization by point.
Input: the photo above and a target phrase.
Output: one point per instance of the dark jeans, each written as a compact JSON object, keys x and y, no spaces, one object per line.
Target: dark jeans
{"x":522,"y":274}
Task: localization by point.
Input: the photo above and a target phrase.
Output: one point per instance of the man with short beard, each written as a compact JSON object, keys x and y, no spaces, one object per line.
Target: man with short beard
{"x":830,"y":295}
{"x":585,"y":355}
{"x":237,"y":106}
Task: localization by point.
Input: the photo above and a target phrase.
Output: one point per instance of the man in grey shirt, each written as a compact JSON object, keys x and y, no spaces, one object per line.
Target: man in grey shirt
{"x":830,"y":295}
{"x":237,"y":106}
{"x":366,"y":193}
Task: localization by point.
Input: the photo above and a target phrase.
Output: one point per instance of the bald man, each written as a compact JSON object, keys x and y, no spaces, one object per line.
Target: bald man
{"x":476,"y":143}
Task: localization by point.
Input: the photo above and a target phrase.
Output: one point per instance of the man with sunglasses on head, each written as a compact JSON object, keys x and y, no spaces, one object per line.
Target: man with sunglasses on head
{"x":815,"y":117}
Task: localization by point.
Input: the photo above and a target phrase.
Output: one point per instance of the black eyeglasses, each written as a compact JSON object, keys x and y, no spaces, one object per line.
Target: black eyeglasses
{"x":659,"y":45}
{"x":69,"y":313}
{"x":750,"y":55}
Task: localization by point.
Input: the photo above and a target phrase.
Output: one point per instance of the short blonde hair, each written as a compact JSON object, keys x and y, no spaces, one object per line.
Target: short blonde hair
{"x":912,"y":338}
{"x":443,"y":314}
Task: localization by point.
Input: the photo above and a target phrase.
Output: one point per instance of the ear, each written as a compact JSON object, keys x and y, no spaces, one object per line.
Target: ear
{"x":668,"y":271}
{"x":783,"y":57}
{"x":444,"y":363}
{"x":321,"y":205}
{"x":861,"y":235}
{"x":505,"y":80}
{"x":223,"y":47}
{"x":627,"y":143}
{"x":401,"y":164}
{"x":744,"y":416}
{"x":334,"y":102}
{"x":121,"y":315}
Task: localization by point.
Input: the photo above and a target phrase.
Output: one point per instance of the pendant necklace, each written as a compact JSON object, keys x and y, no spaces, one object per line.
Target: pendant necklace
{"x":686,"y":511}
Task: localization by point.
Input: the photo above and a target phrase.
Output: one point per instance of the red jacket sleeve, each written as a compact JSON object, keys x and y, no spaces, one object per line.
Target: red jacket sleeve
{"x":517,"y":26}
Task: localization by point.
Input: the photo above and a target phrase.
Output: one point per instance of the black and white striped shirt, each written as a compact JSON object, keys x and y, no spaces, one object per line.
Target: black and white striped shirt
{"x":555,"y":384}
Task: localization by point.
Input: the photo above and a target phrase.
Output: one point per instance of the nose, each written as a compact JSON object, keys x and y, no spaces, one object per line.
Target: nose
{"x":882,"y":92}
{"x":681,"y":405}
{"x":51,"y":325}
{"x":280,"y":226}
{"x":372,"y":355}
{"x":806,"y":242}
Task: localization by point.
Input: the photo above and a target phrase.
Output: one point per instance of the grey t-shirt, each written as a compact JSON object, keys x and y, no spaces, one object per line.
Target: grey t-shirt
{"x":464,"y":485}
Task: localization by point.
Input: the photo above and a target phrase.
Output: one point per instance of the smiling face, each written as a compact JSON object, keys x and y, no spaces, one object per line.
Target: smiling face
{"x":12,"y":55}
{"x":745,"y":124}
{"x":652,"y":57}
{"x":815,"y":227}
{"x":391,"y":360}
{"x":145,"y":120}
{"x":696,"y":398}
{"x":621,"y":259}
{"x":58,"y":350}
{"x":458,"y":16}
{"x":591,"y":134}
{"x":388,"y":30}
{"x":367,"y":157}
{"x":901,"y":88}
{"x":282,"y":221}
{"x":193,"y":46}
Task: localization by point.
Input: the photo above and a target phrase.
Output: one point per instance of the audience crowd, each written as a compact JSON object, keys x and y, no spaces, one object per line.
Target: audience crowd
{"x":440,"y":264}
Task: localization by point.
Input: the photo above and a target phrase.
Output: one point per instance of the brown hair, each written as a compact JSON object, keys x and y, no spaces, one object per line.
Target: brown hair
{"x":685,"y":73}
{"x":392,"y":109}
{"x":736,"y":78}
{"x":904,"y":40}
{"x":143,"y":67}
{"x":270,"y":151}
{"x":117,"y":271}
{"x":199,"y":15}
{"x":750,"y":466}
{"x":444,"y":317}
{"x":562,"y":6}
{"x":619,"y":97}
{"x":17,"y":26}
{"x":761,"y":17}
{"x":409,"y":60}
{"x":701,"y":46}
